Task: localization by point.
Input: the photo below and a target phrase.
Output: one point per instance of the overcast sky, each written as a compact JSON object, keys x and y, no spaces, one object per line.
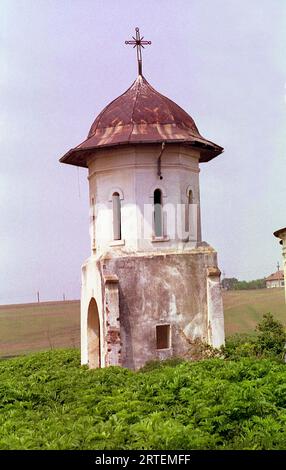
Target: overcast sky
{"x":62,"y":61}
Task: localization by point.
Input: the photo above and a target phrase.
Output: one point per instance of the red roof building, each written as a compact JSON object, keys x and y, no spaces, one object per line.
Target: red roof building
{"x":275,"y":280}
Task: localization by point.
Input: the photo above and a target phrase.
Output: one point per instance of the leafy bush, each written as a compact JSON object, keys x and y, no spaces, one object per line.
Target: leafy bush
{"x":198,"y":350}
{"x":240,"y":345}
{"x":157,"y":364}
{"x":269,"y":341}
{"x":271,"y":337}
{"x":48,"y":401}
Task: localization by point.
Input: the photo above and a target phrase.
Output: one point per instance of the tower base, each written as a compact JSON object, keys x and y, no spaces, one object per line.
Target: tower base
{"x":145,"y":306}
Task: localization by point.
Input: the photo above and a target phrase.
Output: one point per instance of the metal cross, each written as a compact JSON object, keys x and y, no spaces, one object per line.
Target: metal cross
{"x":138,"y":43}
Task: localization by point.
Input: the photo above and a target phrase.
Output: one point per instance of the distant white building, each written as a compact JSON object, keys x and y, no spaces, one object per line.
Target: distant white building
{"x":275,"y":280}
{"x":281,"y":234}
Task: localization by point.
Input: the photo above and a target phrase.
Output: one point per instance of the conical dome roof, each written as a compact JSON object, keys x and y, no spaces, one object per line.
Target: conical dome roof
{"x":141,"y":115}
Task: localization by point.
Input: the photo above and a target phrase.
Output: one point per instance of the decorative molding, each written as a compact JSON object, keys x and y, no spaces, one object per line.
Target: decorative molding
{"x":160,"y":239}
{"x":213,"y":271}
{"x":117,"y":243}
{"x":110,"y":278}
{"x":143,"y":166}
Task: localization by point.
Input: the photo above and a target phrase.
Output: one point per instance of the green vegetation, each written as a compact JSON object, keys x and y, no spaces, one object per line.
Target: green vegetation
{"x":268,"y":342}
{"x":248,"y":285}
{"x":232,"y":283}
{"x":235,"y":399}
{"x":48,"y":401}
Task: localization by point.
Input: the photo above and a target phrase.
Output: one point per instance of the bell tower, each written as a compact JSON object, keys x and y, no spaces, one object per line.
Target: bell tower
{"x":150,"y":286}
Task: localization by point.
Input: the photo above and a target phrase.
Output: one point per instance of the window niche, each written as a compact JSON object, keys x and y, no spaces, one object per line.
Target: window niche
{"x":93,"y":223}
{"x":116,"y":208}
{"x":158,"y":213}
{"x":163,"y":336}
{"x":190,"y":201}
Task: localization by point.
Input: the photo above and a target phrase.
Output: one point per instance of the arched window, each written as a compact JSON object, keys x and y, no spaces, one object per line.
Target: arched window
{"x":93,"y":222}
{"x":190,"y":201}
{"x":116,"y":206}
{"x":158,"y":213}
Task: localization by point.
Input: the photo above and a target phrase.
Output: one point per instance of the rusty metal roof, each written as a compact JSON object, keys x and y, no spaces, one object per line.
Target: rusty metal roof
{"x":141,"y":115}
{"x":280,"y":232}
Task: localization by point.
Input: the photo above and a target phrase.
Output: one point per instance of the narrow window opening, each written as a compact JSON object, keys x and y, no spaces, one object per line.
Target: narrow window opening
{"x":188,"y":210}
{"x":116,"y":206}
{"x":158,"y":213}
{"x":93,"y":222}
{"x":163,"y":336}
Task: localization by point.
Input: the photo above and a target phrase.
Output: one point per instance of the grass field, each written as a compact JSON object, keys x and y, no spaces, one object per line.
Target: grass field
{"x":244,"y":309}
{"x":34,"y":327}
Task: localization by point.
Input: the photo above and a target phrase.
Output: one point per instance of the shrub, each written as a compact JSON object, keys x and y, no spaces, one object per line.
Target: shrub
{"x":268,"y":340}
{"x":240,"y":345}
{"x":271,"y":337}
{"x":198,"y":350}
{"x":156,"y":364}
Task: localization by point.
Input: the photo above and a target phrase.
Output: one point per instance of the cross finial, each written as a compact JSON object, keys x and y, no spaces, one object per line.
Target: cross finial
{"x":278,"y":266}
{"x":138,"y":42}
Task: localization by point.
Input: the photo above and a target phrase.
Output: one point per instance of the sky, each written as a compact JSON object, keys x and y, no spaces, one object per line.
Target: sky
{"x":62,"y":61}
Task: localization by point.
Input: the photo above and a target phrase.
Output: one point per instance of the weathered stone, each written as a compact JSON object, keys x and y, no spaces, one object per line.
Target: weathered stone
{"x":180,"y":289}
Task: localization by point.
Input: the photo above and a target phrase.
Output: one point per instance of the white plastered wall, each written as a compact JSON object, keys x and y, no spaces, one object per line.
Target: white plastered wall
{"x":132,"y":172}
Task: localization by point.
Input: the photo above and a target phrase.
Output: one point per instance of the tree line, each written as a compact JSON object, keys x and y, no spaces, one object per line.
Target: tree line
{"x":232,"y":283}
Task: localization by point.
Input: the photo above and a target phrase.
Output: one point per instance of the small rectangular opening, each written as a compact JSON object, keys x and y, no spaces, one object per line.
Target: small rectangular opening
{"x":163,"y":336}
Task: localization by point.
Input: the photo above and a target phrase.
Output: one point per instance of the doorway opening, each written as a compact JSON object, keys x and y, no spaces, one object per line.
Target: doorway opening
{"x":93,"y":335}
